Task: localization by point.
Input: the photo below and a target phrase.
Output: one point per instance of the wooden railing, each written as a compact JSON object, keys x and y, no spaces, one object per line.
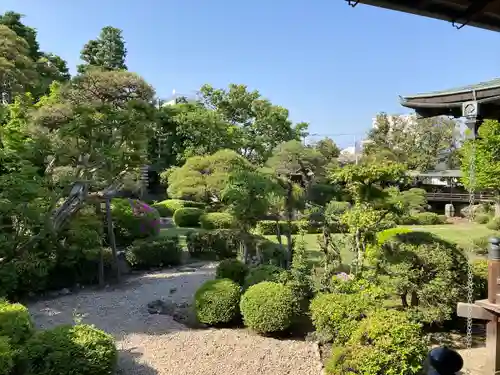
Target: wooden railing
{"x":458,"y":197}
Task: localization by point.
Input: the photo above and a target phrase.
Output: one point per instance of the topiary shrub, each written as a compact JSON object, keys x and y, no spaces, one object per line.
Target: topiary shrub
{"x":232,"y":269}
{"x":7,"y":356}
{"x":386,"y":342}
{"x":426,"y":218}
{"x":335,"y":316}
{"x":157,"y":252}
{"x":15,"y":322}
{"x":264,"y":272}
{"x":168,"y":207}
{"x":78,"y":350}
{"x":188,"y":217}
{"x":133,"y":219}
{"x":482,"y":218}
{"x":268,"y":307}
{"x":416,"y":267}
{"x":268,"y":227}
{"x":214,"y":245}
{"x":494,"y":224}
{"x":217,"y":220}
{"x":217,"y":301}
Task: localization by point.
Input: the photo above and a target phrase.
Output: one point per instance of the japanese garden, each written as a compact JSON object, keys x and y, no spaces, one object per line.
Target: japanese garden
{"x":207,"y":235}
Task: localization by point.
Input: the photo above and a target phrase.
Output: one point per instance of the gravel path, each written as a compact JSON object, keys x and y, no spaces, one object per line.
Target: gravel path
{"x":156,"y":344}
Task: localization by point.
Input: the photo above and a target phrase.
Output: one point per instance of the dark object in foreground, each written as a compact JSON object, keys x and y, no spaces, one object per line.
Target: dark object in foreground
{"x":443,"y":361}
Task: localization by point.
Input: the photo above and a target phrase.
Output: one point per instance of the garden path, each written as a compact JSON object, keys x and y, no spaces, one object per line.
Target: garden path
{"x":156,"y":344}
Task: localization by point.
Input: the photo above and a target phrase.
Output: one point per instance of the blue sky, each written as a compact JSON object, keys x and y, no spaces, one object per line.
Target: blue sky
{"x":329,"y":64}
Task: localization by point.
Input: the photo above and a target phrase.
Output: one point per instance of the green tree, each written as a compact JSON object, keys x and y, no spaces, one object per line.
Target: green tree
{"x":329,"y":149}
{"x":482,"y":154}
{"x":261,"y":125}
{"x":13,"y":21}
{"x":107,"y":52}
{"x":203,"y":178}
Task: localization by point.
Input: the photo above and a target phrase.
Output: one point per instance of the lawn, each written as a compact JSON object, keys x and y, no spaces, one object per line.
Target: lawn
{"x":462,"y":234}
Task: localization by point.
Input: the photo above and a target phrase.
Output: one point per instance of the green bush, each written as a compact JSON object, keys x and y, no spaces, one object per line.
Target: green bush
{"x":387,"y":342}
{"x":480,"y":278}
{"x":217,"y":301}
{"x":268,"y":307}
{"x":76,"y":350}
{"x":268,"y":227}
{"x":15,"y":322}
{"x":7,"y":356}
{"x":270,"y":252}
{"x":258,"y":274}
{"x":214,"y":245}
{"x":217,"y":220}
{"x":481,"y":245}
{"x":156,"y":252}
{"x":494,"y":224}
{"x":188,"y":217}
{"x":482,"y":218}
{"x":130,"y":225}
{"x":335,"y":316}
{"x":168,"y":207}
{"x":232,"y":269}
{"x":427,"y":218}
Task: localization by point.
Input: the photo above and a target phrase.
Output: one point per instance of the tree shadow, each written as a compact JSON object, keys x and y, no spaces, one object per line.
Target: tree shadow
{"x":129,"y":363}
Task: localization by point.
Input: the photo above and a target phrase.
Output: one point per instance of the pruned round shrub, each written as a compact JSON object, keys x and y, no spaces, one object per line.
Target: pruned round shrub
{"x":79,"y":350}
{"x":133,"y":219}
{"x":168,"y":207}
{"x":386,"y":342}
{"x":214,"y":245}
{"x":7,"y":356}
{"x":156,"y":252}
{"x":217,"y":220}
{"x":264,"y":272}
{"x":217,"y":301}
{"x":335,"y":316}
{"x":232,"y":269}
{"x":416,"y":267}
{"x":494,"y":224}
{"x":268,"y":307}
{"x":15,"y":322}
{"x":482,"y":218}
{"x":188,"y":217}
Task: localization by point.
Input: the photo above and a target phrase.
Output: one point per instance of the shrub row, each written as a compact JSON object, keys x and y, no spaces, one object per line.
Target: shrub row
{"x":188,"y":217}
{"x":422,"y":218}
{"x":78,"y":350}
{"x":168,"y":207}
{"x":268,"y":227}
{"x":156,"y":252}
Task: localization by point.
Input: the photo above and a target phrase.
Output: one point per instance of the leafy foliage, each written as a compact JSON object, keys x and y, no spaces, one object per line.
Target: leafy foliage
{"x":217,"y":301}
{"x":188,"y":217}
{"x":15,"y":323}
{"x":232,"y":269}
{"x":218,"y":220}
{"x":157,"y":252}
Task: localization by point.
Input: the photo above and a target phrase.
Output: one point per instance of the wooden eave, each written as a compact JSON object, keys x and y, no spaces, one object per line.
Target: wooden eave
{"x":449,"y":102}
{"x":484,"y":14}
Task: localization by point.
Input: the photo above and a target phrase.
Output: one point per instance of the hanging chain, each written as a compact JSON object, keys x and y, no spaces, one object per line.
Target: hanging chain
{"x":470,"y":276}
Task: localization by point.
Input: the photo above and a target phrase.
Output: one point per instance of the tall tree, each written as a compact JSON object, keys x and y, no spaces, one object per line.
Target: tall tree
{"x":13,"y":21}
{"x":107,"y":52}
{"x":328,"y":148}
{"x":422,"y":144}
{"x":261,"y":125}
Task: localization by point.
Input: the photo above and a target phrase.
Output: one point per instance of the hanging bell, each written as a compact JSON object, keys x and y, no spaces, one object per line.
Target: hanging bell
{"x":443,"y":361}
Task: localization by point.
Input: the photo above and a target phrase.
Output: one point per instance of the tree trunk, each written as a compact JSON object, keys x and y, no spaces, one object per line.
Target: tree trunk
{"x":98,"y":212}
{"x":289,"y":219}
{"x":112,"y":240}
{"x":278,"y":232}
{"x":403,"y":300}
{"x":414,"y":299}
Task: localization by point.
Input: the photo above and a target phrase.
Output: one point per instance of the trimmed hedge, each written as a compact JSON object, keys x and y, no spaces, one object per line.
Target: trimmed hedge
{"x":213,"y":245}
{"x":78,"y":350}
{"x":268,"y":307}
{"x":217,"y":220}
{"x":422,"y":218}
{"x":268,"y":227}
{"x":168,"y":207}
{"x":7,"y":356}
{"x":188,"y":217}
{"x":157,"y":252}
{"x":15,"y":322}
{"x":217,"y":301}
{"x":232,"y":269}
{"x":387,"y":342}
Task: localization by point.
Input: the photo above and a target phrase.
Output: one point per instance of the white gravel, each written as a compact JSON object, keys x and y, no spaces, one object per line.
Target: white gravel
{"x":157,"y":345}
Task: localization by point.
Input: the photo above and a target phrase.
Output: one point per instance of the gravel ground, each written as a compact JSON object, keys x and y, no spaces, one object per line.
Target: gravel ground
{"x":156,"y":344}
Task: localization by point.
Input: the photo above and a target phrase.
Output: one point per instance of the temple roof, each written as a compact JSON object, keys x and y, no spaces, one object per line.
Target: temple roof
{"x":449,"y":102}
{"x":484,"y":14}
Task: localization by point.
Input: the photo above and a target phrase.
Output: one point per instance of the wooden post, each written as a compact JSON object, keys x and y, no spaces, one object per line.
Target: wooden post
{"x":488,"y":310}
